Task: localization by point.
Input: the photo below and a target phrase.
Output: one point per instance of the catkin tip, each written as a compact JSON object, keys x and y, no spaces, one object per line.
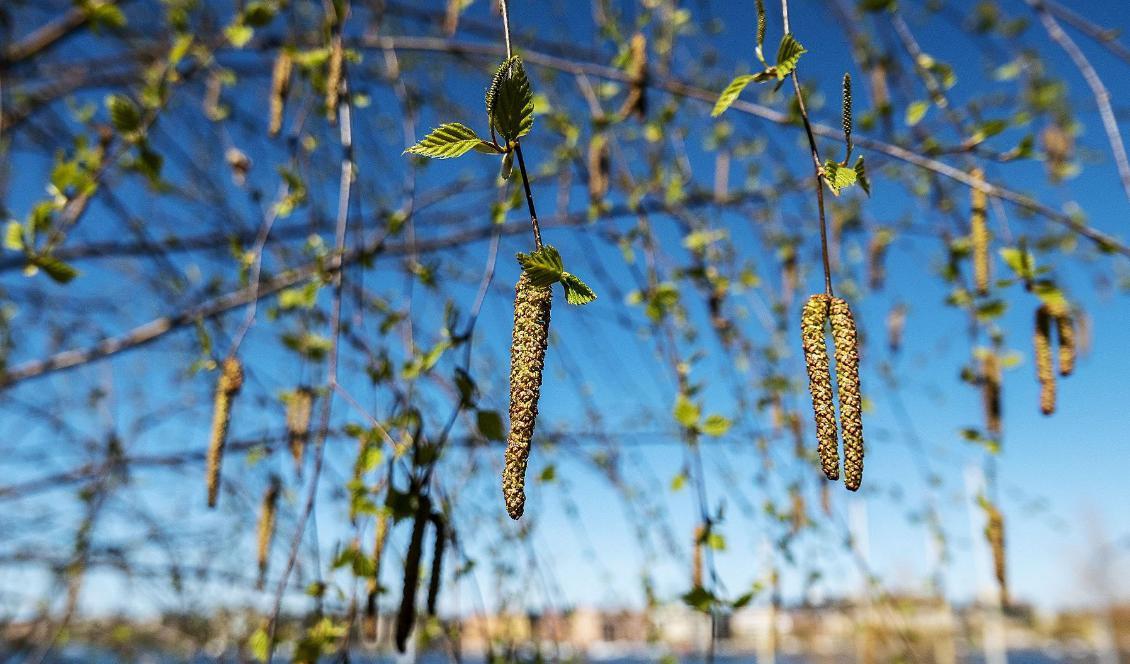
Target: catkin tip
{"x":527,"y":362}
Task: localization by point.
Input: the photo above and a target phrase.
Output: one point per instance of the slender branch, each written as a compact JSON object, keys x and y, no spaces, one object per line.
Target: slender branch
{"x":504,"y":6}
{"x":1098,"y":89}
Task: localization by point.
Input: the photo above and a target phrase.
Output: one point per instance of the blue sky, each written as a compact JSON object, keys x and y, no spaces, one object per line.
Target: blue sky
{"x":1072,"y":462}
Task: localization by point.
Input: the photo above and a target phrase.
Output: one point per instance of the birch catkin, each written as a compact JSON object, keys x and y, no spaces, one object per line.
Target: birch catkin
{"x":437,"y":561}
{"x":280,"y":87}
{"x":299,"y":405}
{"x":1045,"y":373}
{"x":994,"y":534}
{"x":847,"y":385}
{"x":527,"y":361}
{"x":598,"y":168}
{"x":991,"y":393}
{"x":979,"y":235}
{"x":231,"y":380}
{"x":696,"y":556}
{"x":333,"y":79}
{"x":636,"y":101}
{"x":812,"y":323}
{"x":267,"y":518}
{"x":406,"y":617}
{"x":1065,"y":331}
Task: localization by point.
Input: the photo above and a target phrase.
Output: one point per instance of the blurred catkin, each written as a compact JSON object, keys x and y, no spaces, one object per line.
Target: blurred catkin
{"x":979,"y":234}
{"x":229,"y":384}
{"x":406,"y":617}
{"x":267,"y":514}
{"x":527,"y":361}
{"x":280,"y":87}
{"x":436,"y":576}
{"x":994,"y":534}
{"x":1045,"y":374}
{"x":1065,"y":331}
{"x":847,"y":385}
{"x":636,"y":101}
{"x":696,"y":556}
{"x":877,"y":259}
{"x":812,"y":324}
{"x":299,"y":405}
{"x":598,"y":168}
{"x":369,"y":624}
{"x":333,"y":79}
{"x":991,"y":393}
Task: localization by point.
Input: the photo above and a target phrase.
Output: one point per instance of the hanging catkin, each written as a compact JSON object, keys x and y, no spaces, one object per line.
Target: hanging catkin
{"x":333,"y":78}
{"x":636,"y":101}
{"x":979,"y":234}
{"x":799,"y":511}
{"x":991,"y":393}
{"x":299,"y":405}
{"x":267,"y":515}
{"x":598,"y":168}
{"x":1065,"y":333}
{"x":231,"y":380}
{"x":407,"y":614}
{"x":1045,"y":374}
{"x":812,"y":324}
{"x":369,"y":625}
{"x":847,"y":385}
{"x":696,"y":556}
{"x":527,"y":361}
{"x":994,"y":534}
{"x":436,"y":576}
{"x":877,"y":259}
{"x":280,"y":87}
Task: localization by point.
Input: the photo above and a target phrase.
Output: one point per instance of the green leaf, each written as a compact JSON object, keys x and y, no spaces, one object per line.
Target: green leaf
{"x":788,"y":53}
{"x":450,"y":140}
{"x":699,"y":599}
{"x":489,"y":423}
{"x":838,"y":176}
{"x":915,"y":112}
{"x":576,"y":291}
{"x":760,"y":31}
{"x":56,"y":269}
{"x":861,"y":176}
{"x":124,"y":114}
{"x":730,"y":94}
{"x":543,"y":267}
{"x":510,"y":101}
{"x":716,"y":425}
{"x":686,"y":412}
{"x":259,"y":643}
{"x":239,"y":34}
{"x":14,"y":236}
{"x":1022,"y":262}
{"x":548,"y":474}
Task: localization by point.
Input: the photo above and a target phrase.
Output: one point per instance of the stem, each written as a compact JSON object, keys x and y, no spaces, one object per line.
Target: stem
{"x":504,"y":6}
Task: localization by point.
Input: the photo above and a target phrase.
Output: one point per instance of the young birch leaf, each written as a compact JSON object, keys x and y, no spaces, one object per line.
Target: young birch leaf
{"x":760,"y":31}
{"x":788,"y":53}
{"x":576,"y":291}
{"x":543,"y":266}
{"x":730,"y":94}
{"x":59,"y":271}
{"x":861,"y":176}
{"x":716,"y":425}
{"x":510,"y":101}
{"x":450,"y":140}
{"x":124,"y":114}
{"x":838,"y":176}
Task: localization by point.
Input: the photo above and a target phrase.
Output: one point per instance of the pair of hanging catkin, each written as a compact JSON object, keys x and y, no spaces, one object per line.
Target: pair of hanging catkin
{"x":1045,"y":371}
{"x":819,"y":310}
{"x":407,"y":615}
{"x":229,"y":384}
{"x":527,"y":362}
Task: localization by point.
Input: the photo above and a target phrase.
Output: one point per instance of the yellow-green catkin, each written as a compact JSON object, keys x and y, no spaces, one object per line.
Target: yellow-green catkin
{"x":436,"y":577}
{"x":333,"y":78}
{"x":527,"y":362}
{"x":812,"y":324}
{"x":991,"y":393}
{"x":1065,"y":331}
{"x":877,"y":259}
{"x":369,"y":624}
{"x":598,"y":168}
{"x":799,"y":511}
{"x":847,"y":386}
{"x":979,"y":234}
{"x":697,"y":555}
{"x":636,"y":101}
{"x":231,"y":380}
{"x":994,"y":534}
{"x":406,"y":617}
{"x":1045,"y":373}
{"x":267,"y":518}
{"x":280,"y":87}
{"x":299,"y":406}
